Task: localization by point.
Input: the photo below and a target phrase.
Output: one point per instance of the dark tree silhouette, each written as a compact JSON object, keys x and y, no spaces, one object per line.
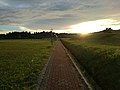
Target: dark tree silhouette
{"x":26,"y":35}
{"x":108,"y":30}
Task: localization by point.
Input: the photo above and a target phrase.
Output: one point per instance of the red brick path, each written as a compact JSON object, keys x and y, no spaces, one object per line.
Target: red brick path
{"x":60,"y":73}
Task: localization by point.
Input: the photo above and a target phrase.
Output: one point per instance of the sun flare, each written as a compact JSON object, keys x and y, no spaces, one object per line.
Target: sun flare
{"x":93,"y":26}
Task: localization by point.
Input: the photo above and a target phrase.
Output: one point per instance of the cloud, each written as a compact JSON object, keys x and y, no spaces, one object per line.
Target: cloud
{"x":2,"y":3}
{"x":57,"y":14}
{"x":60,"y":6}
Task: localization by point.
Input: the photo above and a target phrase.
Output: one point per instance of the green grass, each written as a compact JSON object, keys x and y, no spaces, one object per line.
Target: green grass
{"x":21,"y":62}
{"x":100,"y":58}
{"x":102,"y":38}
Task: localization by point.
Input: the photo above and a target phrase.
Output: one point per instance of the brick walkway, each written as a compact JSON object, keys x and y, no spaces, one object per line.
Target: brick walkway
{"x":60,"y":73}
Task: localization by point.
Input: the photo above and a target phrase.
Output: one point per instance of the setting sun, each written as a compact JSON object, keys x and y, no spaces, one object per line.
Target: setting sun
{"x":93,"y":26}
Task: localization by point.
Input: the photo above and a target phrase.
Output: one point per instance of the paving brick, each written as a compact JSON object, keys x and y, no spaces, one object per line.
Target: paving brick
{"x":60,"y":73}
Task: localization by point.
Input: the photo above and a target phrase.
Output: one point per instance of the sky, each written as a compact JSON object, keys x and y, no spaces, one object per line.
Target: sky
{"x":70,"y":16}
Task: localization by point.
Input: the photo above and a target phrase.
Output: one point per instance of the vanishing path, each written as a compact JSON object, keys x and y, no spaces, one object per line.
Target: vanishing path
{"x":60,"y":73}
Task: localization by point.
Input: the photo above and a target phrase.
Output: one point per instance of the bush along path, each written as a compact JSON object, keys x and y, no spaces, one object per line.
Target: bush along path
{"x":60,"y":73}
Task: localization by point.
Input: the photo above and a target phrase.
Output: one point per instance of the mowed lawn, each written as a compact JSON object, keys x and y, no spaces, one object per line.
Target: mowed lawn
{"x":21,"y":62}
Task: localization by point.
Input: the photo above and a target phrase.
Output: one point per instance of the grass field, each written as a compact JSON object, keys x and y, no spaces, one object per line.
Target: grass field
{"x":21,"y":62}
{"x":100,"y":56}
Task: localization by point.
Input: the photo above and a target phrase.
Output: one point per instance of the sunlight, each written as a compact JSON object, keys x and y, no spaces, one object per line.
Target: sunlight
{"x":93,"y":26}
{"x":84,"y":33}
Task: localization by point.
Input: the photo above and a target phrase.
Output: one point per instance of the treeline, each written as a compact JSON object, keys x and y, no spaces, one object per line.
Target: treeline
{"x":109,"y":30}
{"x":28,"y":35}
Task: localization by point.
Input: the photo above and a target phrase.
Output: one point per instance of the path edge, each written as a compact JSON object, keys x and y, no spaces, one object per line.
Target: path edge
{"x":42,"y":74}
{"x":80,"y":71}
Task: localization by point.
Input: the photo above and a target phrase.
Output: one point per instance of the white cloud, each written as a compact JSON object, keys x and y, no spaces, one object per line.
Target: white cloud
{"x":30,"y":30}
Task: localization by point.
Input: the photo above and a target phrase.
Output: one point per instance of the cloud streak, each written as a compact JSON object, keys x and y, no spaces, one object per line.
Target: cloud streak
{"x":57,"y":14}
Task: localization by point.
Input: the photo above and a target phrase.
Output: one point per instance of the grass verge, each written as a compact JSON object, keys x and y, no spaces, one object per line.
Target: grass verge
{"x":102,"y":62}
